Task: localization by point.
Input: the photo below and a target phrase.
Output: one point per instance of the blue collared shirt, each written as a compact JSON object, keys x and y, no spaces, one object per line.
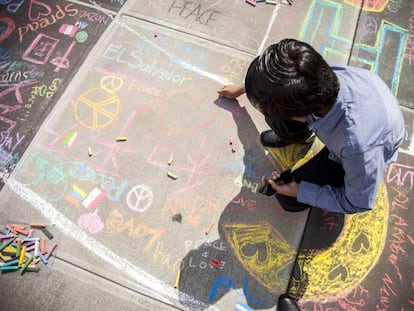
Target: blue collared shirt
{"x":362,"y":131}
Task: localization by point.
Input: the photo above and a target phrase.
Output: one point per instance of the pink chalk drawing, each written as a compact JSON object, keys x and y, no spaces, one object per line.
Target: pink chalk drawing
{"x":40,"y":50}
{"x":91,"y":222}
{"x":37,"y":10}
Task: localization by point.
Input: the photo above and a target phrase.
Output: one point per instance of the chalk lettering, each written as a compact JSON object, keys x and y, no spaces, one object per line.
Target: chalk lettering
{"x":44,"y":22}
{"x":116,"y":223}
{"x":188,"y":8}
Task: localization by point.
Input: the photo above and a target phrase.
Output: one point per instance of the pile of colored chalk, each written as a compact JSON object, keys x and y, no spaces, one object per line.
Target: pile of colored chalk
{"x":23,"y":248}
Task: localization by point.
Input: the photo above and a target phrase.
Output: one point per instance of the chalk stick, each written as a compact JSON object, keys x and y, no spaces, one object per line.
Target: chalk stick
{"x":22,"y":253}
{"x":272,"y":1}
{"x":11,"y":263}
{"x":18,"y":248}
{"x":28,"y":261}
{"x":209,"y":228}
{"x":9,"y":268}
{"x":43,"y":258}
{"x":36,"y":250}
{"x":16,"y":226}
{"x":52,"y":249}
{"x":21,"y":231}
{"x":6,"y":237}
{"x":171,"y":175}
{"x":90,"y":153}
{"x":178,"y":276}
{"x":170,"y":161}
{"x":31,"y":239}
{"x":121,"y":138}
{"x":47,"y":233}
{"x":43,"y":244}
{"x":251,"y":2}
{"x":5,"y":244}
{"x":37,"y":225}
{"x":155,"y":33}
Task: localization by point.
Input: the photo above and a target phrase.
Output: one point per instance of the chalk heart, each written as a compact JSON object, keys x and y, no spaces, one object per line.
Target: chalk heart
{"x":91,"y":222}
{"x":263,"y":251}
{"x":38,"y":9}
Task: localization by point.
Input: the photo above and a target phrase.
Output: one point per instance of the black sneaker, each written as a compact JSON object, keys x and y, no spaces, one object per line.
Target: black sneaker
{"x":287,"y":303}
{"x":271,"y":139}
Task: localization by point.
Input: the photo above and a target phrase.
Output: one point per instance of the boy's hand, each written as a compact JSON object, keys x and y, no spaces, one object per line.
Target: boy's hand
{"x":289,"y":189}
{"x":231,"y":91}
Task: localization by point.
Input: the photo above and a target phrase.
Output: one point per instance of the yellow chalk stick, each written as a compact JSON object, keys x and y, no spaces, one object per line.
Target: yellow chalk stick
{"x":177,"y":278}
{"x":171,"y":175}
{"x":122,"y":138}
{"x":90,"y":151}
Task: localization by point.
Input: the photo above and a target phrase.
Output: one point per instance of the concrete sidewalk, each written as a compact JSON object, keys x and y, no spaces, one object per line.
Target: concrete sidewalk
{"x":174,"y":196}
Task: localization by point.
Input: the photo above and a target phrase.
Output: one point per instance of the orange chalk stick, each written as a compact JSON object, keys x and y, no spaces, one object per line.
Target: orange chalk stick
{"x":37,"y":225}
{"x":209,"y":227}
{"x":24,"y":231}
{"x":15,"y":226}
{"x":43,"y":245}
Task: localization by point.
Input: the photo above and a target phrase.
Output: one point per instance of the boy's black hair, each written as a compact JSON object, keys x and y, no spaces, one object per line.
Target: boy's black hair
{"x":290,"y":79}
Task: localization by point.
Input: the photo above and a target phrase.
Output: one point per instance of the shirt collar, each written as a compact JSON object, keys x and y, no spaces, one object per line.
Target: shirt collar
{"x":329,"y":120}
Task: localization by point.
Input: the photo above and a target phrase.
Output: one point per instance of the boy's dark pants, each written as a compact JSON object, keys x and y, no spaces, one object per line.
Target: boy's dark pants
{"x":319,"y":170}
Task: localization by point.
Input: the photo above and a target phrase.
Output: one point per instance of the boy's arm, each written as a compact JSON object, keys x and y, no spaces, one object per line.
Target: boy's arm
{"x":231,"y":91}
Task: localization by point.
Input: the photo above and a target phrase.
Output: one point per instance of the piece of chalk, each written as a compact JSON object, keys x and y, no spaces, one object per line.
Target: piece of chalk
{"x":28,"y":261}
{"x":43,"y":244}
{"x":18,"y":248}
{"x":9,"y":268}
{"x":36,"y":250}
{"x":171,"y":175}
{"x":21,"y":231}
{"x":90,"y":151}
{"x":22,"y":253}
{"x":121,"y":138}
{"x":170,"y":161}
{"x":209,"y":227}
{"x":52,"y":249}
{"x":155,"y":33}
{"x":233,"y":150}
{"x":251,"y":2}
{"x":43,"y":258}
{"x":7,"y":243}
{"x":16,"y":226}
{"x":272,"y":1}
{"x":231,"y":141}
{"x":47,"y":233}
{"x":37,"y":225}
{"x":177,"y":278}
{"x":11,"y":263}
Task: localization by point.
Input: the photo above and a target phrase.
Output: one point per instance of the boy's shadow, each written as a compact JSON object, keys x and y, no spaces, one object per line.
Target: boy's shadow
{"x":259,"y":241}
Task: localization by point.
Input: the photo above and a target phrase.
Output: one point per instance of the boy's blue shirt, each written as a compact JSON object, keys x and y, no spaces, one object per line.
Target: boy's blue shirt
{"x":362,"y":131}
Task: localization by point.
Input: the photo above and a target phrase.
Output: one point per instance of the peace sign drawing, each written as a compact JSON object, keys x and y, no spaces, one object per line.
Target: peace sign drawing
{"x":99,"y":107}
